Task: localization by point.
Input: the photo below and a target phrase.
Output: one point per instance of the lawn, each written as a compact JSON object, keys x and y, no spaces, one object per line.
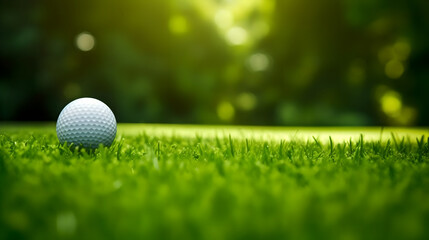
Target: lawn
{"x":212,"y":182}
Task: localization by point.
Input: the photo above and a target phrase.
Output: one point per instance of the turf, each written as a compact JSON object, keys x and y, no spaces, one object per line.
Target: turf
{"x":214,"y":183}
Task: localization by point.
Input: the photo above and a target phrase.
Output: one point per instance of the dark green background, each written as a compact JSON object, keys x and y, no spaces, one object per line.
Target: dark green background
{"x":327,"y":61}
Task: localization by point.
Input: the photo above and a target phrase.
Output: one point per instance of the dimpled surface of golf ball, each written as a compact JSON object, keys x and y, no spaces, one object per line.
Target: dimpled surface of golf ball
{"x":86,"y":122}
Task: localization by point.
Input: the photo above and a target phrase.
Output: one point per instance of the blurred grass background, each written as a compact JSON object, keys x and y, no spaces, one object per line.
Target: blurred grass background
{"x":258,"y":62}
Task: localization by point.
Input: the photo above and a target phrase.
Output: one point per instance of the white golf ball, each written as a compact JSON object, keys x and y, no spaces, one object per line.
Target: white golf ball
{"x":86,"y":122}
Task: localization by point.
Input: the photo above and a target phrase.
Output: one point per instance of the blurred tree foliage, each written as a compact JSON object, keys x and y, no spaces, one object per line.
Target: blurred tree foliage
{"x":291,"y":62}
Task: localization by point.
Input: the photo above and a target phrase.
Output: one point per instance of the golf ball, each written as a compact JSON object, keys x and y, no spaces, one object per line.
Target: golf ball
{"x":86,"y":122}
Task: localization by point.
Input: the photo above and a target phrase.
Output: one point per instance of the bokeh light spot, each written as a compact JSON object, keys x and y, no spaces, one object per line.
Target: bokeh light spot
{"x":379,"y":91}
{"x":246,"y":101}
{"x":407,"y":116}
{"x":402,"y":50}
{"x":391,"y":103}
{"x":223,"y":18}
{"x":258,"y":62}
{"x":85,"y":41}
{"x":236,"y":36}
{"x":260,"y":28}
{"x":386,"y":54}
{"x":394,"y":69}
{"x":178,"y":24}
{"x":225,"y":111}
{"x":399,"y":51}
{"x":66,"y":223}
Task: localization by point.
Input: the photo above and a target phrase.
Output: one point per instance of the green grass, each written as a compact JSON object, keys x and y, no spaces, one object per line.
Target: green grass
{"x":195,"y":182}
